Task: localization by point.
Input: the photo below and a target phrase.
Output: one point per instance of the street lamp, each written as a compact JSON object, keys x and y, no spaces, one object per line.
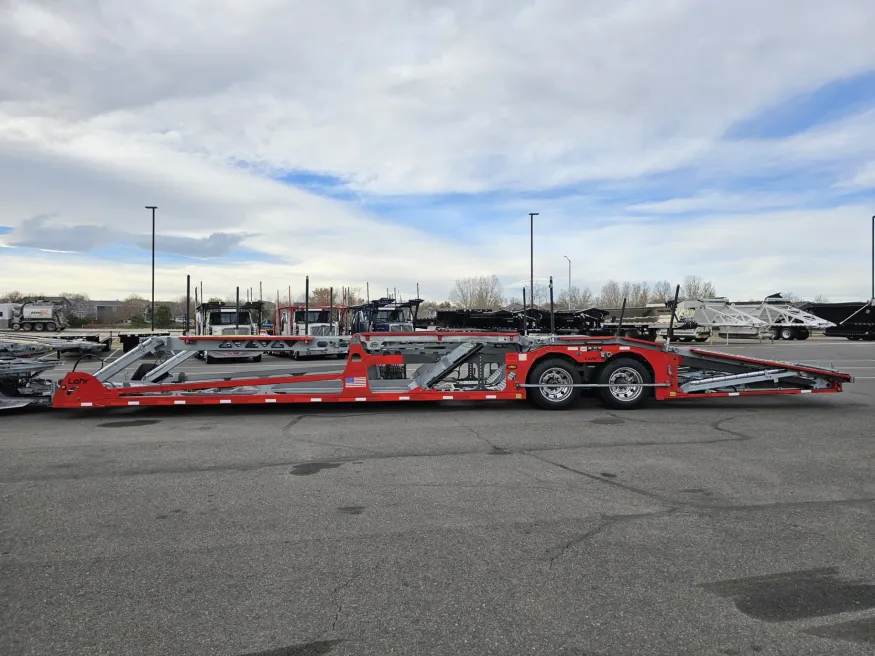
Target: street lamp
{"x":532,"y":216}
{"x":569,"y":280}
{"x":153,"y":208}
{"x":872,"y":299}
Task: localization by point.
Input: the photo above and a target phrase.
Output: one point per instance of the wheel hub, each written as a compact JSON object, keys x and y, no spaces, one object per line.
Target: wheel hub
{"x":625,"y":384}
{"x":558,"y":384}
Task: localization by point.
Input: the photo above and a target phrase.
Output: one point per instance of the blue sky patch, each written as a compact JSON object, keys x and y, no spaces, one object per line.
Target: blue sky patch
{"x":832,"y":101}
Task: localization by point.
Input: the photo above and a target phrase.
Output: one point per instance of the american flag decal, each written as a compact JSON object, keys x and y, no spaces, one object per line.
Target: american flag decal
{"x":356,"y":381}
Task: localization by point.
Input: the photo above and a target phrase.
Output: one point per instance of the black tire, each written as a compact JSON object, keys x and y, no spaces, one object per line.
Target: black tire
{"x":803,"y":333}
{"x":26,"y":327}
{"x":257,"y":358}
{"x":209,"y":359}
{"x":788,"y":333}
{"x":554,"y":370}
{"x":618,"y":370}
{"x":51,"y":327}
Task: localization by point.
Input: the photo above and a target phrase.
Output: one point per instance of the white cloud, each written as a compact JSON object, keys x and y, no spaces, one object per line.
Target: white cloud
{"x":864,"y":178}
{"x":112,"y":106}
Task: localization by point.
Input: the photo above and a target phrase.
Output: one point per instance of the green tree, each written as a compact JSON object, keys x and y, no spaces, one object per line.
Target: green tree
{"x":163,"y":316}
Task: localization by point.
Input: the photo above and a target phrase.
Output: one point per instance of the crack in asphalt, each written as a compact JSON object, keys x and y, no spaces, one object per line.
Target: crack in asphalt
{"x":605,"y":522}
{"x":337,"y":594}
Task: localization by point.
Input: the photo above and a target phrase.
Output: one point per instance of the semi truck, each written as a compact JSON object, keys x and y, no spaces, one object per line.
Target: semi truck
{"x":323,"y":323}
{"x":216,"y":318}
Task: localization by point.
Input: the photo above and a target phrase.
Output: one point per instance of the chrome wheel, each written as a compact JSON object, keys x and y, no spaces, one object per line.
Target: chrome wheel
{"x":625,"y":384}
{"x":559,"y":384}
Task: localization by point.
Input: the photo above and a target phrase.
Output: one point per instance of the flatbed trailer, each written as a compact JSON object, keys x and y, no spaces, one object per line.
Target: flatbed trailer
{"x":551,"y":371}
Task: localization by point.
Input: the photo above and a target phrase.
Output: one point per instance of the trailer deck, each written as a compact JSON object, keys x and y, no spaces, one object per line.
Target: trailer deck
{"x":550,"y":371}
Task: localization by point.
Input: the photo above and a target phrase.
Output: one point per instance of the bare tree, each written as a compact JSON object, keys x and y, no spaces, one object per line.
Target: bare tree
{"x":352,"y":295}
{"x":481,"y":292}
{"x":541,"y":295}
{"x":611,"y":295}
{"x":820,"y":298}
{"x":695,"y":287}
{"x":662,"y":291}
{"x":14,"y":296}
{"x":133,"y":306}
{"x":580,"y":298}
{"x":639,"y":295}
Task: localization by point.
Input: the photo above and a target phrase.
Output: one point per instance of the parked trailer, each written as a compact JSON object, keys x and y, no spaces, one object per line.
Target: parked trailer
{"x":783,"y":319}
{"x":722,"y":318}
{"x":549,"y":371}
{"x":643,"y":323}
{"x":854,"y":321}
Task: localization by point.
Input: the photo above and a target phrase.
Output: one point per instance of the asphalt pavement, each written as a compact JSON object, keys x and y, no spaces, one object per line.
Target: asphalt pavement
{"x":716,"y":526}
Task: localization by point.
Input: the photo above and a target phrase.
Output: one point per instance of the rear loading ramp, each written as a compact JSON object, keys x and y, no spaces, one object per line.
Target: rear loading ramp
{"x":550,"y":371}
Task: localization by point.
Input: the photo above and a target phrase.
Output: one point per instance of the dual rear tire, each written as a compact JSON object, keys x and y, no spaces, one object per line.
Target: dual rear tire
{"x":623,"y":377}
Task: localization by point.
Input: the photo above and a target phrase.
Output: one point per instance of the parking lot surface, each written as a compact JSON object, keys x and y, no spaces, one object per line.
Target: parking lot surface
{"x":724,"y":526}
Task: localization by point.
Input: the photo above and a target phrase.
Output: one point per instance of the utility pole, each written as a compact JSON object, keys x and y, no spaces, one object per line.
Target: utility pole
{"x":532,"y":216}
{"x":153,"y":208}
{"x":569,"y":280}
{"x":872,"y":299}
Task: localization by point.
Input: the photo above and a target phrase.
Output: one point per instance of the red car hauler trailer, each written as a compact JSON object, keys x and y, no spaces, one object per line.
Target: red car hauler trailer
{"x":550,"y":371}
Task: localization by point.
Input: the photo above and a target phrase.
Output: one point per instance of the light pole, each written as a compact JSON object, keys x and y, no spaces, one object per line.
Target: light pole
{"x":532,"y":216}
{"x":153,"y":208}
{"x":872,"y":299}
{"x":569,"y":281}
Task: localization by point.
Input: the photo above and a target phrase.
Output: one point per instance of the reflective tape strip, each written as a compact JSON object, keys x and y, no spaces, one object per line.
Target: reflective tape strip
{"x":361,"y":398}
{"x":315,"y":400}
{"x":270,"y":400}
{"x":224,"y":400}
{"x":448,"y":398}
{"x":734,"y":394}
{"x":491,"y":396}
{"x":179,"y":403}
{"x":403,"y":398}
{"x":133,"y":403}
{"x":522,"y":357}
{"x":805,"y":392}
{"x":87,"y":404}
{"x":625,"y":348}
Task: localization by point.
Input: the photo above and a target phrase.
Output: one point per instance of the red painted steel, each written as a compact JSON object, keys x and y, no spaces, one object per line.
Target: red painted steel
{"x":84,"y":390}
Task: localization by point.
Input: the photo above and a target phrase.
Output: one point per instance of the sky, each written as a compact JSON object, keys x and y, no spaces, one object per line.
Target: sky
{"x":405,"y":143}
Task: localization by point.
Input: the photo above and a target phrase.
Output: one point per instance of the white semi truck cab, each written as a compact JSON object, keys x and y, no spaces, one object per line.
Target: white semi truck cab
{"x":217,"y":318}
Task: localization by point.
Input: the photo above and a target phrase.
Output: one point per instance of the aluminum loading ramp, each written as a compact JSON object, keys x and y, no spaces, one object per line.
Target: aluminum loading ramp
{"x":439,"y":366}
